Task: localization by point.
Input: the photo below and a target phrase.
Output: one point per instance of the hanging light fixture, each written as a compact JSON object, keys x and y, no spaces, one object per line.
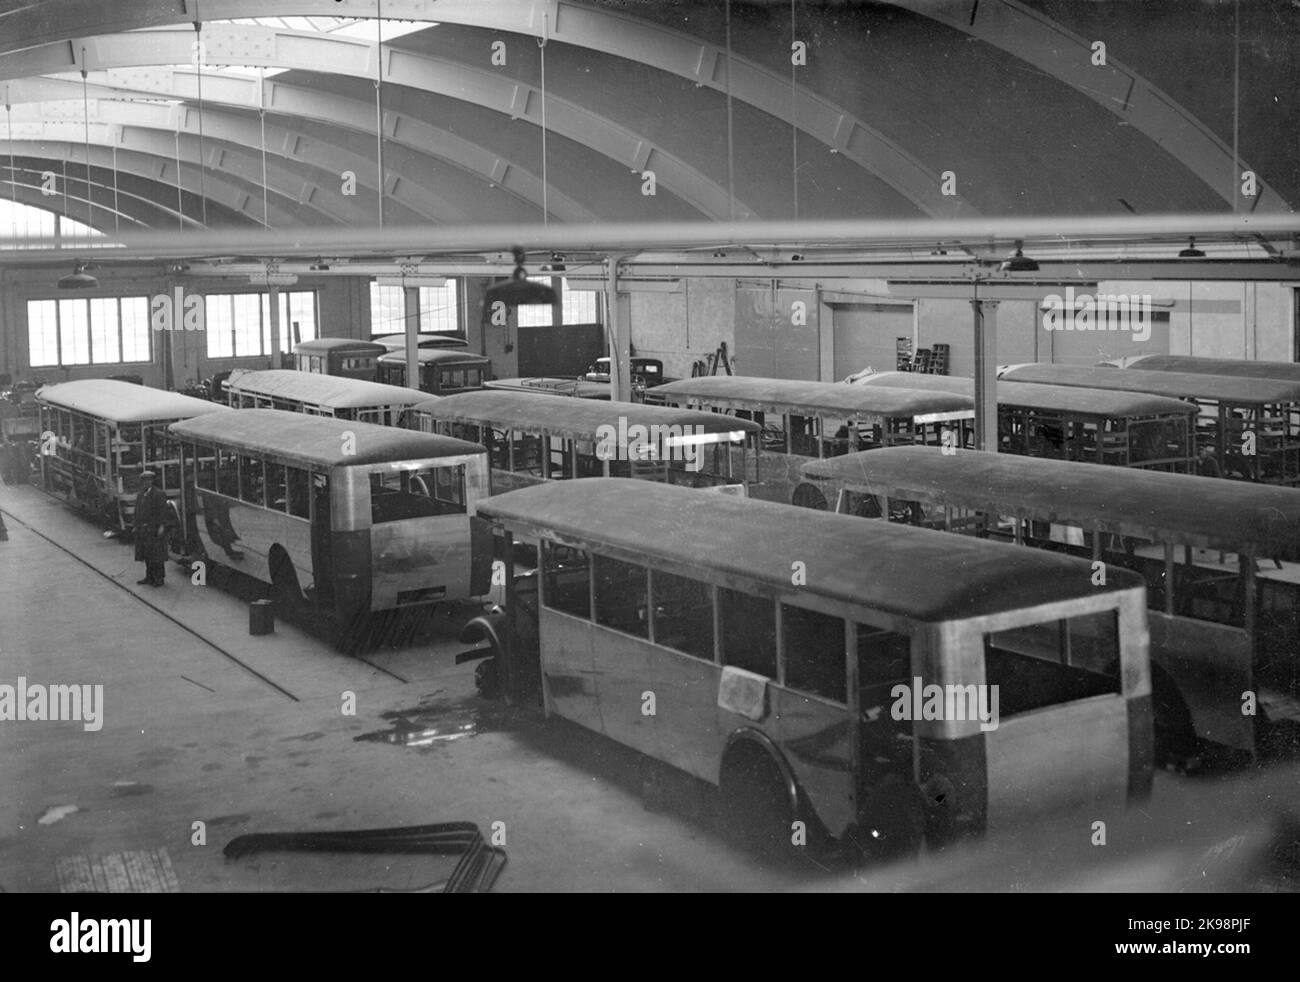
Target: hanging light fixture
{"x":1018,"y":262}
{"x":78,"y":279}
{"x":519,"y":289}
{"x":1191,"y":252}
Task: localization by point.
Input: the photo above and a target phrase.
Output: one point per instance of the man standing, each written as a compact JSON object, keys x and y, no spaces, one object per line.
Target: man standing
{"x":152,"y":515}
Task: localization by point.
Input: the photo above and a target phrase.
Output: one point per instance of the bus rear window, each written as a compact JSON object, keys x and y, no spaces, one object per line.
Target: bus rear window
{"x":423,"y":493}
{"x":1053,"y":662}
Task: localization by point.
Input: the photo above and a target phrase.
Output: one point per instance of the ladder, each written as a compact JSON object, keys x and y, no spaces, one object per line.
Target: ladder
{"x":710,"y":365}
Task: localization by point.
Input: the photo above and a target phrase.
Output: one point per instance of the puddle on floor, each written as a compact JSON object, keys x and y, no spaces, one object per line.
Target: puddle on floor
{"x":434,"y":723}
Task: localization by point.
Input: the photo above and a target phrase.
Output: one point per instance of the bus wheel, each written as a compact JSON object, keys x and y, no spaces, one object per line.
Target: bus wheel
{"x":893,"y":826}
{"x":756,"y":804}
{"x":808,"y":496}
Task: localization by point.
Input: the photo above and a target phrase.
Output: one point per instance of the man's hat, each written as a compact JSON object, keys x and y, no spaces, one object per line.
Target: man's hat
{"x":144,"y":474}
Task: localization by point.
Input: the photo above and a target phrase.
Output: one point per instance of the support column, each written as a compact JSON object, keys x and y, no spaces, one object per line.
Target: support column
{"x":273,"y":348}
{"x":619,"y":331}
{"x":411,"y":298}
{"x":986,"y":367}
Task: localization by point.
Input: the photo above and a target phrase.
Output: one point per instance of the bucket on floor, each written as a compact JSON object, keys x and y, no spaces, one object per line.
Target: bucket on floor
{"x":261,"y":617}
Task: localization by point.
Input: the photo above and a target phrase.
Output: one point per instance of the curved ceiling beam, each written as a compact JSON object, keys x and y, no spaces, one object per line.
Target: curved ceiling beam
{"x":599,"y":29}
{"x":237,"y":196}
{"x":1036,"y":39}
{"x":28,"y":187}
{"x":311,"y":168}
{"x":298,"y":101}
{"x":265,"y":47}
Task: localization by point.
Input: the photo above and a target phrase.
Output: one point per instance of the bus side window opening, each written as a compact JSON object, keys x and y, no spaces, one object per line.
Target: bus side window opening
{"x":565,"y":579}
{"x":621,"y":596}
{"x":813,"y":645}
{"x":683,"y":614}
{"x":748,"y":632}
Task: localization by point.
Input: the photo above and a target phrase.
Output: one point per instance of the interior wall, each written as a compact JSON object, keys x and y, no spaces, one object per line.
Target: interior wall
{"x":681,"y":328}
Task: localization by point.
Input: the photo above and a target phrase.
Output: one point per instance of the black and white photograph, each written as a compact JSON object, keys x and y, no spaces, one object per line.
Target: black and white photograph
{"x":650,"y":447}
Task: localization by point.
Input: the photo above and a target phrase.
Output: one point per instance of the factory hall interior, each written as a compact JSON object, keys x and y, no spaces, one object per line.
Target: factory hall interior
{"x":649,"y":446}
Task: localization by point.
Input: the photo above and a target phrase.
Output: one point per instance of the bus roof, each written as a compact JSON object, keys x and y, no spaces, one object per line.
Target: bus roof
{"x":811,"y":398}
{"x":324,"y":345}
{"x":1238,"y":367}
{"x":1207,"y":512}
{"x":450,"y":356}
{"x":318,"y":440}
{"x":889,"y":568}
{"x":396,"y":342}
{"x":1221,"y":388}
{"x":124,"y":402}
{"x":1036,"y":395}
{"x":332,"y":391}
{"x":579,"y":419}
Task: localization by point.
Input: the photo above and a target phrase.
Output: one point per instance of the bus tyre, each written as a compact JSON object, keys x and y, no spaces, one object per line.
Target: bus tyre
{"x":893,"y":826}
{"x":756,"y":803}
{"x":808,"y":496}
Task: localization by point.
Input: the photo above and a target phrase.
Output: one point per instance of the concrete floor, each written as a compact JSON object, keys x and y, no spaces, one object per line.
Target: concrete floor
{"x":191,"y":736}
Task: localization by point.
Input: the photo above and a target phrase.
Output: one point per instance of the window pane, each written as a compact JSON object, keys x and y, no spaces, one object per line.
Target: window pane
{"x":205,"y":466}
{"x":135,"y":328}
{"x":74,"y":332}
{"x":432,"y":491}
{"x":276,"y":489}
{"x":302,"y":313}
{"x":247,"y":316}
{"x":683,"y":614}
{"x":814,"y":653}
{"x":217,"y":318}
{"x":42,"y":333}
{"x":1053,"y":662}
{"x":104,"y":346}
{"x":565,"y":572}
{"x":387,"y":310}
{"x":250,"y":479}
{"x":748,"y":632}
{"x":438,"y":307}
{"x":227,"y":473}
{"x":299,"y":497}
{"x":578,"y":307}
{"x":621,"y":597}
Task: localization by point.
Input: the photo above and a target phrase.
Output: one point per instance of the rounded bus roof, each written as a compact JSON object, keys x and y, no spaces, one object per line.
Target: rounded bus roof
{"x":124,"y":402}
{"x":1219,"y":388}
{"x":1207,"y":512}
{"x":859,"y":564}
{"x":812,"y":398}
{"x":318,"y":440}
{"x":1047,"y":398}
{"x":560,"y":415}
{"x":1238,"y":367}
{"x":331,"y":391}
{"x":447,"y":356}
{"x":396,"y":342}
{"x":326,"y":345}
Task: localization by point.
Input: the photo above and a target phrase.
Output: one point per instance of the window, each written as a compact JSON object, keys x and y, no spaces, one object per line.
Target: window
{"x":297,"y":320}
{"x":387,"y":310}
{"x":621,"y":597}
{"x":683,"y":614}
{"x":239,"y":325}
{"x":84,"y":331}
{"x":431,"y":491}
{"x":250,"y":479}
{"x":564,"y":573}
{"x":439,"y":310}
{"x":276,"y":491}
{"x":204,"y":463}
{"x":1054,"y":661}
{"x":748,"y":632}
{"x":884,"y":660}
{"x":298,"y":494}
{"x":813,"y":645}
{"x":575,"y":307}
